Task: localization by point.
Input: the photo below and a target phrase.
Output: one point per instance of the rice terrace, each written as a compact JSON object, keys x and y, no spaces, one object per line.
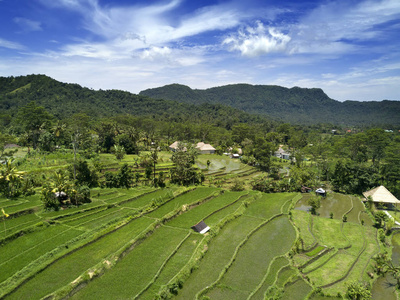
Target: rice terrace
{"x":199,"y":150}
{"x":138,"y":243}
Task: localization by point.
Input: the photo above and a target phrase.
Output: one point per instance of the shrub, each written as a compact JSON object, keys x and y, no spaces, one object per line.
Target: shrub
{"x":315,"y":203}
{"x":124,"y":178}
{"x":84,"y":175}
{"x":237,"y":185}
{"x":357,"y":290}
{"x":380,"y":218}
{"x":81,"y":195}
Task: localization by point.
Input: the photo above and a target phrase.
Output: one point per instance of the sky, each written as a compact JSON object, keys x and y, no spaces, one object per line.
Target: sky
{"x":349,"y":48}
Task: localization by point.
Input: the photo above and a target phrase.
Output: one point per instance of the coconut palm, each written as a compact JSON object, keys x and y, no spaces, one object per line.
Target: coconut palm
{"x":58,"y":130}
{"x":10,"y":179}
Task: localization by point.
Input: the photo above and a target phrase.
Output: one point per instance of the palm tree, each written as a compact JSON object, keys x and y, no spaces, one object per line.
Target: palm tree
{"x":60,"y":184}
{"x":10,"y":178}
{"x":381,"y":263}
{"x":58,"y":130}
{"x":395,"y":272}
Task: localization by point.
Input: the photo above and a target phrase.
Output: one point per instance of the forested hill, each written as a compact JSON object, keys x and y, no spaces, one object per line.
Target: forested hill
{"x":294,"y":105}
{"x":63,"y":100}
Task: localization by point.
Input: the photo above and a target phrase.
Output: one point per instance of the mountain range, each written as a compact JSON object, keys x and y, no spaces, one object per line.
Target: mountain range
{"x":231,"y":103}
{"x":293,"y":105}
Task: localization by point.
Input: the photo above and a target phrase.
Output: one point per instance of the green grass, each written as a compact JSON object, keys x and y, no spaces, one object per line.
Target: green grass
{"x":298,"y":289}
{"x":270,"y":277}
{"x":197,"y":214}
{"x":358,"y":207}
{"x":80,"y":216}
{"x":22,"y":204}
{"x":269,"y":205}
{"x":255,"y":263}
{"x":86,"y":218}
{"x":117,"y":282}
{"x":217,"y":216}
{"x":302,"y":220}
{"x":254,"y":257}
{"x":220,"y":250}
{"x":68,"y":268}
{"x":320,"y":261}
{"x":174,"y":265}
{"x":333,"y":270}
{"x":315,"y":251}
{"x":355,"y":234}
{"x":20,"y":252}
{"x":144,"y":200}
{"x":328,"y":232}
{"x":363,"y":264}
{"x":13,"y":225}
{"x":284,"y":275}
{"x":110,"y":217}
{"x":187,"y":198}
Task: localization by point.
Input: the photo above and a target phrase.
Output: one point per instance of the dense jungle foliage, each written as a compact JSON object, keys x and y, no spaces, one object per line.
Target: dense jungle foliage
{"x":294,"y":105}
{"x":69,"y":117}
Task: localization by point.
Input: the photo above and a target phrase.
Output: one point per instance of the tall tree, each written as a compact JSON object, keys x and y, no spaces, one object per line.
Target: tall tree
{"x":34,"y":119}
{"x":377,"y":140}
{"x":183,"y":171}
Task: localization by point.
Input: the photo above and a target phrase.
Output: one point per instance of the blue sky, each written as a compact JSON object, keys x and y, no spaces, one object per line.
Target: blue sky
{"x":349,"y":48}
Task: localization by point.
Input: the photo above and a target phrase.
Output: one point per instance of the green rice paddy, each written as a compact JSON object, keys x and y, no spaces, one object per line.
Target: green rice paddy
{"x":138,"y":244}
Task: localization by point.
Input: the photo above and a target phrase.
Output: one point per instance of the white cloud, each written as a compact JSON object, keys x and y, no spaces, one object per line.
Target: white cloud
{"x":155,"y":23}
{"x":336,"y":26}
{"x":255,"y":41}
{"x":173,"y":57}
{"x":10,"y":45}
{"x":28,"y":25}
{"x":155,"y":53}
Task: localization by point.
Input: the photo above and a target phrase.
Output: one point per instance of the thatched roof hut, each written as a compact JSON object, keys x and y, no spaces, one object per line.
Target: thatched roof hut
{"x":380,"y":194}
{"x":205,"y":148}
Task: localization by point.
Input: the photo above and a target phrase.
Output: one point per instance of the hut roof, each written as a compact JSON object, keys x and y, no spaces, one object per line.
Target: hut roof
{"x":174,"y":145}
{"x":201,"y":227}
{"x":381,"y":194}
{"x":204,"y":147}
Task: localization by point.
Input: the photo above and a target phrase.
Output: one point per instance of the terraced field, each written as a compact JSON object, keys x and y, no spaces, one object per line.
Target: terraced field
{"x":138,"y":244}
{"x":344,"y":249}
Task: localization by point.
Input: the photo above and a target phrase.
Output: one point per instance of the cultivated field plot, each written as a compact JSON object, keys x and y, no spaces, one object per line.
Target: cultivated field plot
{"x":138,"y":244}
{"x":338,"y":252}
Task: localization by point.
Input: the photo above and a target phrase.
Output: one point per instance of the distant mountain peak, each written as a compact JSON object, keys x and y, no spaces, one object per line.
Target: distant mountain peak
{"x":296,"y":104}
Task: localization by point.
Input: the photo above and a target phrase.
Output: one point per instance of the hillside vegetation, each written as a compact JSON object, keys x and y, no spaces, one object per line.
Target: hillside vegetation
{"x":294,"y":105}
{"x":63,"y":100}
{"x":231,"y":103}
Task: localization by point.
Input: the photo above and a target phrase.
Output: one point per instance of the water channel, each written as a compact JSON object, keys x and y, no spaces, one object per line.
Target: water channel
{"x":385,"y":287}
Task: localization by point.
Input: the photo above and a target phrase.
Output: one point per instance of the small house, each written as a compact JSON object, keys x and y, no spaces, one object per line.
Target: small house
{"x":320,"y":192}
{"x":305,"y":189}
{"x":280,"y":153}
{"x":205,"y":148}
{"x":381,"y":194}
{"x":175,"y":145}
{"x":201,"y":227}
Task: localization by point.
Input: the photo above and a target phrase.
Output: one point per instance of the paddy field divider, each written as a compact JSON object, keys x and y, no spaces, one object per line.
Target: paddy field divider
{"x":172,"y":287}
{"x":229,"y":264}
{"x":86,"y":238}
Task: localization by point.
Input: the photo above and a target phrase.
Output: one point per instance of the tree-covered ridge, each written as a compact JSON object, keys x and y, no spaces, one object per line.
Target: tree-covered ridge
{"x":294,"y":105}
{"x":63,"y":100}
